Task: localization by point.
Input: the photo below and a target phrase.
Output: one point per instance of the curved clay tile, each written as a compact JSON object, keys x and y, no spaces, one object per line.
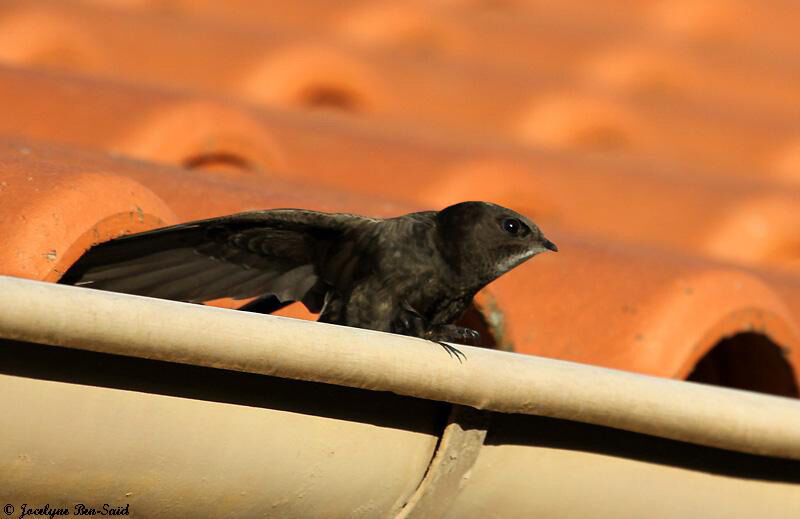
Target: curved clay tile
{"x":314,"y":77}
{"x":629,"y":308}
{"x":204,"y":134}
{"x":157,"y":125}
{"x":582,"y":123}
{"x":665,"y":71}
{"x":624,"y":200}
{"x":720,"y":143}
{"x":617,"y":306}
{"x":302,"y":71}
{"x":54,"y":210}
{"x":407,"y":28}
{"x":740,"y":222}
{"x":546,"y":40}
{"x":59,"y":202}
{"x":34,"y":36}
{"x":607,"y":299}
{"x":733,"y":23}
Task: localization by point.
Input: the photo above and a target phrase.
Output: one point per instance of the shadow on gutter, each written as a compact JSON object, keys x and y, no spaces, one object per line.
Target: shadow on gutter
{"x":219,"y":385}
{"x":381,"y":409}
{"x":554,"y":433}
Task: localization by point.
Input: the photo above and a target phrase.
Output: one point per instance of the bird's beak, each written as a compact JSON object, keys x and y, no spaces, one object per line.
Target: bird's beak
{"x":549,"y":245}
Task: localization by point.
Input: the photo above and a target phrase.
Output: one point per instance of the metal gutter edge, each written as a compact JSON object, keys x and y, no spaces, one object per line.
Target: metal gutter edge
{"x":491,"y":380}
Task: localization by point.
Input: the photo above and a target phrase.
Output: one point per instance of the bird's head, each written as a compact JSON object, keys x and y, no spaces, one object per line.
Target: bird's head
{"x":482,"y":241}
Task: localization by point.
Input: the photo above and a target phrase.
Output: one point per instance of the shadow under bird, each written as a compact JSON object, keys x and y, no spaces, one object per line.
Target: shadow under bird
{"x":413,"y":274}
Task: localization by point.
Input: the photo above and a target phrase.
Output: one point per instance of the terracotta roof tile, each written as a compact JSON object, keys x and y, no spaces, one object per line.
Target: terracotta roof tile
{"x":657,"y":159}
{"x":732,"y":22}
{"x":634,"y":309}
{"x":679,"y":308}
{"x":303,"y":71}
{"x":157,"y":125}
{"x":53,"y":210}
{"x":584,"y":194}
{"x":624,"y":51}
{"x":71,"y":199}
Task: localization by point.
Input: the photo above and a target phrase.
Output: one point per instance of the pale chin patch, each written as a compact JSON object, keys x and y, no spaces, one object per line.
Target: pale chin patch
{"x":512,"y":261}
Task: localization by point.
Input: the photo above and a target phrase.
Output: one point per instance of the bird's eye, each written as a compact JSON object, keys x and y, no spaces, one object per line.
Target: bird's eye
{"x":511,"y":226}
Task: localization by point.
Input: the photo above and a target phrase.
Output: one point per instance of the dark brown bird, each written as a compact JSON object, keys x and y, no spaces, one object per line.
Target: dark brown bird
{"x":413,"y":274}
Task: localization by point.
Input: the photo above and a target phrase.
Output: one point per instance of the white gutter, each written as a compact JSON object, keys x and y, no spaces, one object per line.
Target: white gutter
{"x":493,"y":380}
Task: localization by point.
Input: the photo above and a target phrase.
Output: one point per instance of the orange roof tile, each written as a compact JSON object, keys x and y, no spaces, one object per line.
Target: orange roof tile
{"x":59,"y":201}
{"x":657,"y":151}
{"x":301,"y":70}
{"x":628,"y":297}
{"x":588,"y":195}
{"x":602,"y":42}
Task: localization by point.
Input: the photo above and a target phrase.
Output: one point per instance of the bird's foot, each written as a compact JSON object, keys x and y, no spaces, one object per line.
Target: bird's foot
{"x":453,"y":333}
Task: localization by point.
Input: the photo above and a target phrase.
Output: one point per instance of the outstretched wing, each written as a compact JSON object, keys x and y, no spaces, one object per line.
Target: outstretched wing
{"x":293,"y":254}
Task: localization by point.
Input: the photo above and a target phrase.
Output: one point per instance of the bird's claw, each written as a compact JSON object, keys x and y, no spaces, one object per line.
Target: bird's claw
{"x":452,"y":351}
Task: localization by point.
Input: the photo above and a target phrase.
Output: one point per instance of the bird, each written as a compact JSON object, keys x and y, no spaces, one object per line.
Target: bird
{"x":413,"y":274}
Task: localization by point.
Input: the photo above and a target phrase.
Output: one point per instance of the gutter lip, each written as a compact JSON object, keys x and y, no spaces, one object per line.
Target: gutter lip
{"x":122,"y":324}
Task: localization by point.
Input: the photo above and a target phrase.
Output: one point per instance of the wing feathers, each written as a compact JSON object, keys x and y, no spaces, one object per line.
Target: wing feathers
{"x":139,"y":281}
{"x":280,"y":252}
{"x":189,"y":287}
{"x":137,"y":266}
